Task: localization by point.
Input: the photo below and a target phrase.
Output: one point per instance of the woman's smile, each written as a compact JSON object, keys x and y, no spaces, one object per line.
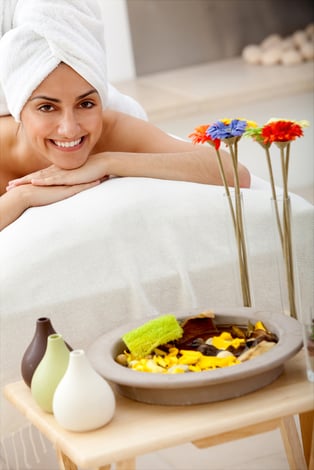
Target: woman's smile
{"x":68,"y":145}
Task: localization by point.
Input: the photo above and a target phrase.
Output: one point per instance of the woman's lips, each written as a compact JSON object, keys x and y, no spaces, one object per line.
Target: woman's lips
{"x":68,"y":145}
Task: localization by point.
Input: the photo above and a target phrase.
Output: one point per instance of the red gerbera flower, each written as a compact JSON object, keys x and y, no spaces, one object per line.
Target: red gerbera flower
{"x":281,"y":131}
{"x":199,"y":136}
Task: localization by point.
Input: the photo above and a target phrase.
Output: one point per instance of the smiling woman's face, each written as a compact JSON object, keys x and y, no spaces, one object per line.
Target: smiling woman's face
{"x":62,"y":120}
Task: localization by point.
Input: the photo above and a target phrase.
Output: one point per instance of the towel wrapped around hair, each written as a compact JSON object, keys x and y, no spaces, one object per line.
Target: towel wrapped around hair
{"x":7,"y":9}
{"x":71,"y":31}
{"x":31,"y":51}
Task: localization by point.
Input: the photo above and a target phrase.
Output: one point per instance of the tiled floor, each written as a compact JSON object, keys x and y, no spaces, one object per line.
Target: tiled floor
{"x":262,"y":452}
{"x":179,"y":100}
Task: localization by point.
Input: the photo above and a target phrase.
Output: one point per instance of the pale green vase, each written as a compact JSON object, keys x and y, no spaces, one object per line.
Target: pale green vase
{"x":49,"y":372}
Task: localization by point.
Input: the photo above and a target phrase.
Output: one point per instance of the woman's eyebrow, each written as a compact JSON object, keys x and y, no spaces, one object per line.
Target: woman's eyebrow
{"x":93,"y":90}
{"x":46,"y":98}
{"x":56,"y":100}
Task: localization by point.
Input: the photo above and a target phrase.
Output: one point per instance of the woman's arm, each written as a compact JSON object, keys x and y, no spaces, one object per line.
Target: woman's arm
{"x":13,"y":203}
{"x":137,"y":148}
{"x":199,"y":166}
{"x":11,"y":207}
{"x":168,"y":157}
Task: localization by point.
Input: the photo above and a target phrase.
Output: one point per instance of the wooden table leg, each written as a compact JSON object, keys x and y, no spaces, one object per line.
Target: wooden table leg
{"x":238,"y":434}
{"x":65,"y":463}
{"x":293,"y":446}
{"x":307,"y":433}
{"x":128,"y":464}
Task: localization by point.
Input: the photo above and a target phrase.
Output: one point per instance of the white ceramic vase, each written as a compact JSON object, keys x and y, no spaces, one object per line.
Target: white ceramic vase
{"x":83,"y":400}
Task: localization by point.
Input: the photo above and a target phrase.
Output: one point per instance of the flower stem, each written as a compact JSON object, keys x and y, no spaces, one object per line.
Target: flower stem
{"x":287,"y":241}
{"x":288,"y":256}
{"x":239,"y":228}
{"x":284,"y":172}
{"x":224,"y":180}
{"x":239,"y":238}
{"x":274,"y":195}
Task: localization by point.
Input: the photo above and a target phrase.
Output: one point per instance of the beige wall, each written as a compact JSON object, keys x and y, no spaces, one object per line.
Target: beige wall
{"x":168,"y":34}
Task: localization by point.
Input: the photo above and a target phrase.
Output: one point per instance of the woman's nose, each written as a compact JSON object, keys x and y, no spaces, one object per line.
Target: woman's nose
{"x":68,"y":125}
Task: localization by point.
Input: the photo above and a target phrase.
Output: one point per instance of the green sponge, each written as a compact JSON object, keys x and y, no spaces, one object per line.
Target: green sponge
{"x":143,"y":340}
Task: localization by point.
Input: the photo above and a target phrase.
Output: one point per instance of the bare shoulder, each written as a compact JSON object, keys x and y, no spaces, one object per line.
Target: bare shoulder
{"x":8,"y":128}
{"x":8,"y":143}
{"x":124,"y":133}
{"x":8,"y":137}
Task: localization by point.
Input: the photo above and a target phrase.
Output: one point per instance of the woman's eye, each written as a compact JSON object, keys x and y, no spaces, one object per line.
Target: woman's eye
{"x":46,"y":108}
{"x":87,"y":104}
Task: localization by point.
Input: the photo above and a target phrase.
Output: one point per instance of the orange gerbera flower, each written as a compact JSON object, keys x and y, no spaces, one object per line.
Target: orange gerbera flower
{"x":199,"y":136}
{"x":281,"y":131}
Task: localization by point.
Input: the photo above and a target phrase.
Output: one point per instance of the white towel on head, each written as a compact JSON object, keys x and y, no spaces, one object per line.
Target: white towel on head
{"x":7,"y":8}
{"x":16,"y":12}
{"x":56,"y":31}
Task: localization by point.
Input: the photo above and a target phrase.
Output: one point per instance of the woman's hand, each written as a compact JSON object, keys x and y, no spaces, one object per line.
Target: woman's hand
{"x":13,"y":203}
{"x":34,"y":196}
{"x":92,"y":170}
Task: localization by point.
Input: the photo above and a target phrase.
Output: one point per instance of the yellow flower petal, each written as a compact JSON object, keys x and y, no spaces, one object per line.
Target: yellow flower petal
{"x":225,"y":340}
{"x":259,"y":326}
{"x":189,"y":357}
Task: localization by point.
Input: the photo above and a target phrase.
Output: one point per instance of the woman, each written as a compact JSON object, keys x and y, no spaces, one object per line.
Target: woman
{"x":68,"y":141}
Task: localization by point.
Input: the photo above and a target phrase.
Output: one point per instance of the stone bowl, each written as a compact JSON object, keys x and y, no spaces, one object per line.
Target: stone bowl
{"x":199,"y":387}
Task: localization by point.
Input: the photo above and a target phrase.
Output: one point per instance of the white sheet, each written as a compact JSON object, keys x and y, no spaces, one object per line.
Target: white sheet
{"x":129,"y":248}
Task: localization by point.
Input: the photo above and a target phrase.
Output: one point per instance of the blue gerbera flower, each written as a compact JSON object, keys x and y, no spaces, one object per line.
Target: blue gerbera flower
{"x":218,"y":130}
{"x":225,"y":130}
{"x":237,"y":127}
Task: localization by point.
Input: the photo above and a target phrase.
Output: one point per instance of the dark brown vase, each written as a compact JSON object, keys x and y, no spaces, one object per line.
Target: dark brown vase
{"x":36,"y":349}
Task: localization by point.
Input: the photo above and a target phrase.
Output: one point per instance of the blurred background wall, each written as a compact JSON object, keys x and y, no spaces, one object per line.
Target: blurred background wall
{"x":148,"y":36}
{"x":169,"y":34}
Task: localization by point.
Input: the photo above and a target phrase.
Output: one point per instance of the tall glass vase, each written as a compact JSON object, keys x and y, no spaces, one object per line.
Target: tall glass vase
{"x":235,"y":215}
{"x":285,"y":253}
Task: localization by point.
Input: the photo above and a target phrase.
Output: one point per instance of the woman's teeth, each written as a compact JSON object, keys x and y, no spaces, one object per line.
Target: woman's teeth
{"x":63,"y":144}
